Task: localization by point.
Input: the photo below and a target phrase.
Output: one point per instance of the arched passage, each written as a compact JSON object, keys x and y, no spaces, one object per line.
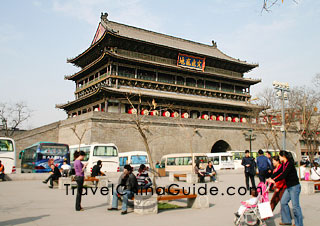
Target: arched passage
{"x":220,"y":146}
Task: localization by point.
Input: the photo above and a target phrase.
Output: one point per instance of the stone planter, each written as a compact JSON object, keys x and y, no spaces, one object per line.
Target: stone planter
{"x":307,"y":187}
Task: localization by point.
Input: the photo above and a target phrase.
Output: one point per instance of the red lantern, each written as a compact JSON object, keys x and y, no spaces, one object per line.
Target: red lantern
{"x":213,"y":117}
{"x":205,"y":117}
{"x":243,"y":120}
{"x":228,"y":119}
{"x":144,"y":112}
{"x":166,"y":114}
{"x":174,"y":114}
{"x":220,"y":118}
{"x":235,"y":119}
{"x":154,"y":113}
{"x":132,"y":111}
{"x":185,"y":115}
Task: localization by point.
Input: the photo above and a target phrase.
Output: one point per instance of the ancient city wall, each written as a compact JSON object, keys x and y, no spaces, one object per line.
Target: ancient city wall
{"x":165,"y":135}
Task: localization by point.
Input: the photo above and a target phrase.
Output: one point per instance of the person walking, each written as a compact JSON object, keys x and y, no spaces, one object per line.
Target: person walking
{"x":249,"y":169}
{"x":289,"y":173}
{"x":280,"y":186}
{"x":264,"y":165}
{"x":79,"y":177}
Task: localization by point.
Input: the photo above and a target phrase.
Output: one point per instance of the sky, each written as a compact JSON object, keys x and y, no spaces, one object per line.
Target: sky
{"x":37,"y":37}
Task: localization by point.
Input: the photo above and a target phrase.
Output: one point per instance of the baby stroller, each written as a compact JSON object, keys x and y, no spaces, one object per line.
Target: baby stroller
{"x":250,"y":214}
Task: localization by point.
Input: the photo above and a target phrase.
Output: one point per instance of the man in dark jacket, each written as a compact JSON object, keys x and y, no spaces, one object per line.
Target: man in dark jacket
{"x":96,"y":170}
{"x":54,"y":175}
{"x":264,"y":165}
{"x":128,"y":184}
{"x":249,"y":169}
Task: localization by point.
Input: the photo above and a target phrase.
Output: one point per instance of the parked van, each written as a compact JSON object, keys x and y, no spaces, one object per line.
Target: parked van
{"x":182,"y":162}
{"x":221,"y":160}
{"x":107,"y":153}
{"x":134,"y":159}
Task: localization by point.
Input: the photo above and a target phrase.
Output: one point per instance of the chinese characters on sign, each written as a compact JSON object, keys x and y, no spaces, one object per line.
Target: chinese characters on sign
{"x":191,"y":62}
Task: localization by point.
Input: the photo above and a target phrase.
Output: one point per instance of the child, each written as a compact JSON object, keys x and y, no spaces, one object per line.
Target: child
{"x":252,"y":201}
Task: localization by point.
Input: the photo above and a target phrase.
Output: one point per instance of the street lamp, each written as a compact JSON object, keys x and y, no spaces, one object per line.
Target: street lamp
{"x":250,"y":137}
{"x":282,"y":93}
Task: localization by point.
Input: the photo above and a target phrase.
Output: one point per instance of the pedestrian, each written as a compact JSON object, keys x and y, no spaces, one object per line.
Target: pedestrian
{"x":211,"y":171}
{"x":280,"y":186}
{"x":79,"y":177}
{"x":54,"y":175}
{"x":65,"y":169}
{"x":201,"y":175}
{"x":302,"y":170}
{"x":127,"y":186}
{"x":143,"y":178}
{"x":249,"y":169}
{"x":269,"y":156}
{"x":2,"y":175}
{"x":315,"y":172}
{"x":96,"y":170}
{"x":264,"y":165}
{"x":289,"y":173}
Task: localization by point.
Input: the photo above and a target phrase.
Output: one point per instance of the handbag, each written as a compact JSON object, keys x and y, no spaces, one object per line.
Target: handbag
{"x":265,"y":210}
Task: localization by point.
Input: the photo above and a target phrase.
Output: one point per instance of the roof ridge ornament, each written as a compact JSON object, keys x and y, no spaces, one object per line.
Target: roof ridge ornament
{"x":214,"y":44}
{"x":104,"y":16}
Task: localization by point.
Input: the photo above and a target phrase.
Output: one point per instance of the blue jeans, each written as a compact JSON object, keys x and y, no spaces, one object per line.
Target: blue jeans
{"x":126,"y":195}
{"x":292,"y":194}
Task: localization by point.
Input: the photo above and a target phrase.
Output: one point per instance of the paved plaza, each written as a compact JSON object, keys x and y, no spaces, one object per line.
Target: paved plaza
{"x":30,"y":202}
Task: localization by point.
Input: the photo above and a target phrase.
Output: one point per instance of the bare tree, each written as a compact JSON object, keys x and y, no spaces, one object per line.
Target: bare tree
{"x":305,"y":102}
{"x":268,"y":4}
{"x":79,"y":133}
{"x":142,"y":128}
{"x":12,"y":116}
{"x":266,"y":117}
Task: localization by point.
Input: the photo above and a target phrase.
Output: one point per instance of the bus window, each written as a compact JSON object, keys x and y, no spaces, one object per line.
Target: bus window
{"x":171,"y":162}
{"x":6,"y":145}
{"x":201,"y":159}
{"x":105,"y":151}
{"x":163,"y":163}
{"x":187,"y":161}
{"x":226,"y":158}
{"x":237,"y":156}
{"x":123,"y":161}
{"x":215,"y":160}
{"x":139,"y":159}
{"x":85,"y":149}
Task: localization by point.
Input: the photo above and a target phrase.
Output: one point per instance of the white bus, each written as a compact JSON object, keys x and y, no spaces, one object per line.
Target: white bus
{"x":221,"y":160}
{"x":8,"y":154}
{"x":134,"y":159}
{"x":182,"y":162}
{"x":238,"y":155}
{"x":107,"y":153}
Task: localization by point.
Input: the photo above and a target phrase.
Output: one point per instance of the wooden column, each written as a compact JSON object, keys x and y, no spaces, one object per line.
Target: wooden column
{"x":119,"y":107}
{"x":106,"y":106}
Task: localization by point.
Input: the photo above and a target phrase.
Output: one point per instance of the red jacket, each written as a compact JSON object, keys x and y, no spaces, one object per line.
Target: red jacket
{"x":281,"y":183}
